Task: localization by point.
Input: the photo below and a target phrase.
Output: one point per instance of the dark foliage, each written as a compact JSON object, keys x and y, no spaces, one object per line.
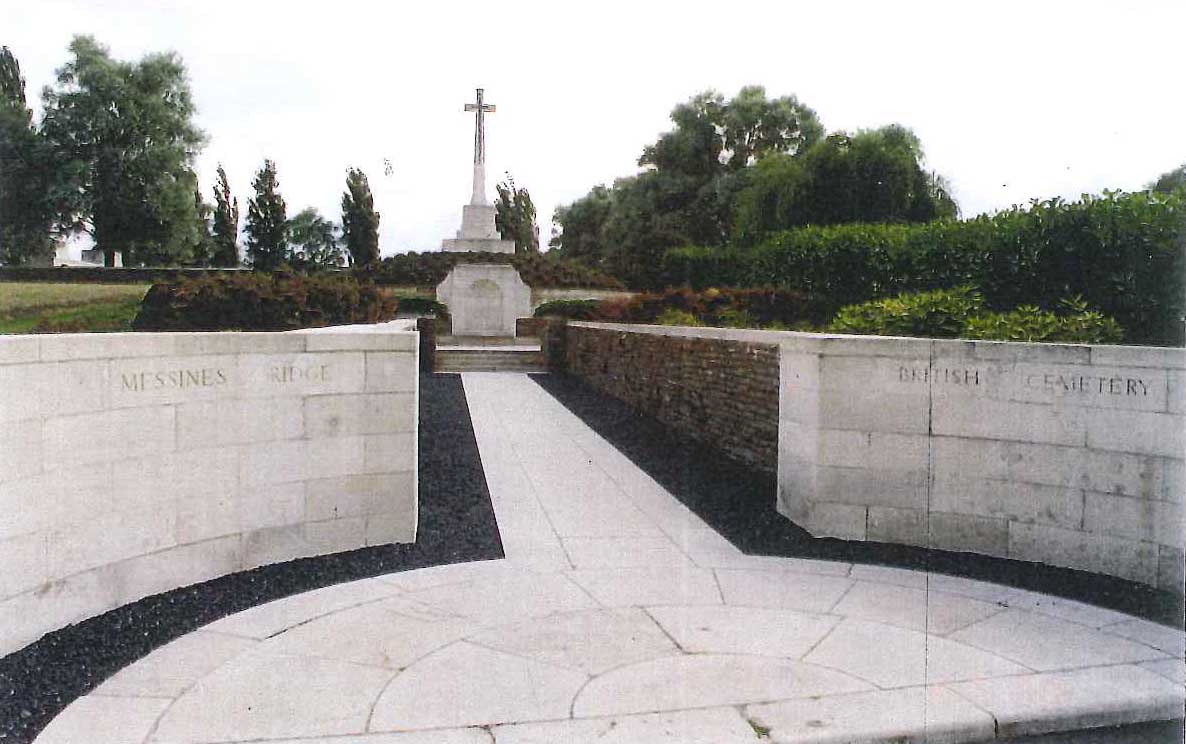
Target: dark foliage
{"x":766,"y":307}
{"x":1123,"y":254}
{"x":541,"y":271}
{"x":261,"y":302}
{"x":571,"y":309}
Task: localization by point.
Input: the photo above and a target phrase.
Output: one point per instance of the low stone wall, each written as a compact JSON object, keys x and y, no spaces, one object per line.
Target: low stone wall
{"x":134,"y":463}
{"x":717,"y":386}
{"x":1060,"y":454}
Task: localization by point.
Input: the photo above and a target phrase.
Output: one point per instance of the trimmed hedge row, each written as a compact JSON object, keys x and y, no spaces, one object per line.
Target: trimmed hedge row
{"x":1124,"y":254}
{"x":538,"y":270}
{"x":261,"y":302}
{"x":765,"y":307}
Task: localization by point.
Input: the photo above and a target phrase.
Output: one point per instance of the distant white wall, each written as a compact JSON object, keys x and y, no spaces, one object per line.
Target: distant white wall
{"x":1061,"y":454}
{"x":134,"y":463}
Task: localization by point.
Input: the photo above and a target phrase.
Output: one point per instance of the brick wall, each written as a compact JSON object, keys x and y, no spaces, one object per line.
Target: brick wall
{"x":713,"y":385}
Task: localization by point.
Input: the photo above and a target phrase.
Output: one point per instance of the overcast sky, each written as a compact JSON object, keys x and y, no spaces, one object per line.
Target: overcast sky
{"x":1011,"y":100}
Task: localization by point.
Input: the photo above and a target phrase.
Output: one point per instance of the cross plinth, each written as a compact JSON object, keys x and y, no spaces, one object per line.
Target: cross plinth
{"x":479,"y":109}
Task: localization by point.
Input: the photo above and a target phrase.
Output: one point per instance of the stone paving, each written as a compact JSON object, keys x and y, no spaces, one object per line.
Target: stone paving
{"x":619,"y":616}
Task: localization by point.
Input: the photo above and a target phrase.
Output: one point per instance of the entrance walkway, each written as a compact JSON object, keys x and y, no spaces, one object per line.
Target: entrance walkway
{"x":619,"y":616}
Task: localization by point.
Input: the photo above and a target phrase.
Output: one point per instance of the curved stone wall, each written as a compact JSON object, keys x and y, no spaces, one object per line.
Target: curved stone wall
{"x":134,"y":463}
{"x":1070,"y":455}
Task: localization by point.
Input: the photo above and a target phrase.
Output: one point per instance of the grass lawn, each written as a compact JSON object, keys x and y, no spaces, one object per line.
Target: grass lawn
{"x":44,"y":307}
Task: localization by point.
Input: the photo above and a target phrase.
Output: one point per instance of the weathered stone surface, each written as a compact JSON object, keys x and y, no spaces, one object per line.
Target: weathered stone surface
{"x":136,"y":463}
{"x":485,"y":299}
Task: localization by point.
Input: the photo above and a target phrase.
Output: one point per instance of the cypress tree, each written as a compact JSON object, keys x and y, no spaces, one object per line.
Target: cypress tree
{"x":267,"y":222}
{"x":360,"y":221}
{"x":226,"y":224}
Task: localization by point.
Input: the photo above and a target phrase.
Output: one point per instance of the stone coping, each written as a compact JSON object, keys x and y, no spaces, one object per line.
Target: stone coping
{"x":397,"y":335}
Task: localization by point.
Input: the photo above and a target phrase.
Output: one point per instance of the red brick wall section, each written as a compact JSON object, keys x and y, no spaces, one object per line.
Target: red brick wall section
{"x":722,"y":393}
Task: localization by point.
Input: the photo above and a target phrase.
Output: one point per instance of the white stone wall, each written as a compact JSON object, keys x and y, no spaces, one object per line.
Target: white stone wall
{"x":134,"y":463}
{"x":1067,"y":455}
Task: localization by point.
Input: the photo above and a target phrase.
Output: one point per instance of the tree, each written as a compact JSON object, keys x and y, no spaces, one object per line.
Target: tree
{"x":515,"y":216}
{"x":124,"y":135}
{"x":577,"y":235}
{"x":872,"y":176}
{"x":1170,"y":181}
{"x":736,"y":170}
{"x":204,"y":248}
{"x":712,"y":135}
{"x":267,"y":222}
{"x":315,"y":243}
{"x":25,"y":172}
{"x":225,"y":251}
{"x":360,"y":221}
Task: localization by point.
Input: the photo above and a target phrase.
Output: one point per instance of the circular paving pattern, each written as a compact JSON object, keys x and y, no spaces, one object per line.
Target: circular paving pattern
{"x":776,"y":648}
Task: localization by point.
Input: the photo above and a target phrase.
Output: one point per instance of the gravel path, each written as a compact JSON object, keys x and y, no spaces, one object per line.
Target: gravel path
{"x":456,"y":524}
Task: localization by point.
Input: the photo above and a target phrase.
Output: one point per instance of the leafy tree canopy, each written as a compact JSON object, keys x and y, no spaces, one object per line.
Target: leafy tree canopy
{"x":735,"y":170}
{"x":315,"y":241}
{"x":124,"y":135}
{"x":1170,"y":181}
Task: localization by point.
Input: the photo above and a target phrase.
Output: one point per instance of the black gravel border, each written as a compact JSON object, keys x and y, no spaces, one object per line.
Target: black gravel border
{"x":738,"y":501}
{"x":456,"y":523}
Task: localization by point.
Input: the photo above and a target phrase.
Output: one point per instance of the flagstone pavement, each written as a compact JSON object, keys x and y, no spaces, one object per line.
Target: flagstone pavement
{"x":619,"y":616}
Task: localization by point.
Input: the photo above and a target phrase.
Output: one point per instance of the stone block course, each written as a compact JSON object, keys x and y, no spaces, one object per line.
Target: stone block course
{"x":136,"y":463}
{"x":1006,"y":499}
{"x":1129,"y":559}
{"x":968,"y":533}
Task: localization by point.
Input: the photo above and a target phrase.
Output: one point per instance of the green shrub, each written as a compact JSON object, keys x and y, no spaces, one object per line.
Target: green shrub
{"x":1028,"y":323}
{"x":1124,"y":253}
{"x":537,"y":270}
{"x":260,"y":302}
{"x":941,"y":313}
{"x":735,"y":308}
{"x":422,"y":306}
{"x":960,"y":313}
{"x":571,"y":309}
{"x":676,"y":317}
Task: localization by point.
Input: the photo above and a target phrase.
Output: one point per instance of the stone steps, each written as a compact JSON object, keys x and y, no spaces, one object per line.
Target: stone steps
{"x":490,"y":359}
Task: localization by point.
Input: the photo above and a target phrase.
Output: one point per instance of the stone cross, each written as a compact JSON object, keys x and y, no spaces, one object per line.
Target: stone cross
{"x":479,"y":109}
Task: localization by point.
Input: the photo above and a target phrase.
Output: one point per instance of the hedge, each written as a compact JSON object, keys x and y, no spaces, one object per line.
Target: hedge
{"x":261,"y":302}
{"x":743,"y":308}
{"x":960,"y":313}
{"x":1124,"y":254}
{"x":537,"y":270}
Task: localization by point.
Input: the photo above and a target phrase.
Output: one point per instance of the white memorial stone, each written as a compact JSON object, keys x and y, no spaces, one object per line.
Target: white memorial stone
{"x":485,"y":299}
